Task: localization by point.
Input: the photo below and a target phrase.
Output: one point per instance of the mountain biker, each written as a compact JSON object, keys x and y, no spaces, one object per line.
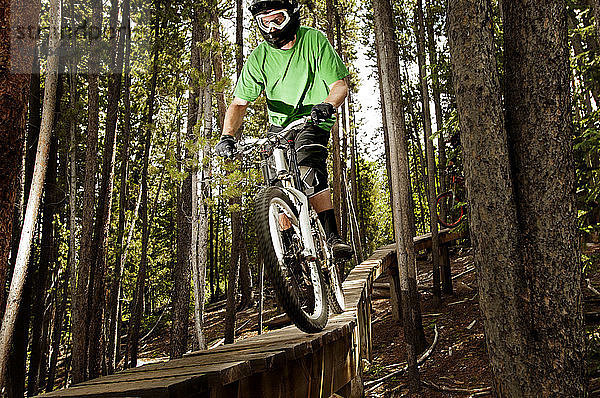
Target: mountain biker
{"x":300,"y":74}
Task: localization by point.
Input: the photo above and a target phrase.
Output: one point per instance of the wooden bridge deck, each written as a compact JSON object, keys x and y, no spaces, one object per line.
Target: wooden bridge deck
{"x":284,"y":363}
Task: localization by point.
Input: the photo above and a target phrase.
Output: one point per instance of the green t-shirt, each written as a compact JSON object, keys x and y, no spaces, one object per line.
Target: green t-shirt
{"x":293,"y":80}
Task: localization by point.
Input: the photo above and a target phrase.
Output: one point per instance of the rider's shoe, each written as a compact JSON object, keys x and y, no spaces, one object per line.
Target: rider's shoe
{"x":341,"y":250}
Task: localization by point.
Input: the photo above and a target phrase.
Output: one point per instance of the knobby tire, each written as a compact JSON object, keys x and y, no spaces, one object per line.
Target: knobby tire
{"x":283,"y":289}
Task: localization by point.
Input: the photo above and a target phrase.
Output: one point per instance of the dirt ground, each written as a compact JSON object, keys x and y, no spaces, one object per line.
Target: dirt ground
{"x":458,"y":362}
{"x":459,"y":359}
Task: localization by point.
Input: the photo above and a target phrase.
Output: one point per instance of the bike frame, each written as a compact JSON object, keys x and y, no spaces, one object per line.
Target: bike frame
{"x":287,"y":174}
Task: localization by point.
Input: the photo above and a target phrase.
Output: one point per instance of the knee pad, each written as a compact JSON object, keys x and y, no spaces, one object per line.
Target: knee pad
{"x":314,"y":181}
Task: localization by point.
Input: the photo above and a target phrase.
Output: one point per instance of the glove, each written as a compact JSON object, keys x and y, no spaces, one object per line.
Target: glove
{"x":321,"y":112}
{"x":226,"y":147}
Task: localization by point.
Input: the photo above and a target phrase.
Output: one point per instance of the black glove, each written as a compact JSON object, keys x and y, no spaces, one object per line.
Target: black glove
{"x":226,"y":147}
{"x":321,"y":112}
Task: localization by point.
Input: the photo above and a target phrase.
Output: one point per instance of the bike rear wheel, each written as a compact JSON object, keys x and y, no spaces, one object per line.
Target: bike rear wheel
{"x":297,"y":280}
{"x":455,"y":211}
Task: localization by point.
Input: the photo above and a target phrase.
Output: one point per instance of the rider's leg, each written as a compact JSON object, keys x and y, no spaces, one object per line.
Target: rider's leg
{"x":311,"y":148}
{"x":321,"y":202}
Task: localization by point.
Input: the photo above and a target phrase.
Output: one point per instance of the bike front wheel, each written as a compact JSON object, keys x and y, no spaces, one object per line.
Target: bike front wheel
{"x":296,"y":278}
{"x":333,"y":277}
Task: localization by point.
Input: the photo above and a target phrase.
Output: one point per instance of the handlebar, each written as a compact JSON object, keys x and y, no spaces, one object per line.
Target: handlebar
{"x":248,"y":144}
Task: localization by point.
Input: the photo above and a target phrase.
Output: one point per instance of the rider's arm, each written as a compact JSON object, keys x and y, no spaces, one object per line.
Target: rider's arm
{"x":338,"y":91}
{"x":235,"y":116}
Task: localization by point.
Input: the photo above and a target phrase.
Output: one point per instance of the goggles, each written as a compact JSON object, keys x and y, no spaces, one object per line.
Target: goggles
{"x":277,"y":20}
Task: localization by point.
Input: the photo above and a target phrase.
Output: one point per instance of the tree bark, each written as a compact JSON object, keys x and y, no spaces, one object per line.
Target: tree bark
{"x":73,"y":127}
{"x":217,"y":63}
{"x":596,"y":4}
{"x":186,"y":210}
{"x":47,"y":256}
{"x":18,"y":354}
{"x":239,"y":37}
{"x":137,"y":308}
{"x":430,"y":155}
{"x":387,"y":53}
{"x":335,"y":131}
{"x":492,"y":219}
{"x":81,"y":305}
{"x":104,"y":207}
{"x":33,"y":202}
{"x":530,"y":320}
{"x":14,"y":88}
{"x":446,"y":274}
{"x":232,"y":276}
{"x":204,"y":119}
{"x":538,"y":122}
{"x":59,"y":323}
{"x":115,"y":289}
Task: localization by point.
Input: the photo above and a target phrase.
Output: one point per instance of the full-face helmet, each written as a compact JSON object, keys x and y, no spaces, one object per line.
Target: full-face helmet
{"x":278,"y":20}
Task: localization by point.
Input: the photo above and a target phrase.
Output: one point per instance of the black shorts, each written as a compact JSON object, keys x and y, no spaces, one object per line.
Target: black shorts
{"x":311,"y":151}
{"x":311,"y":147}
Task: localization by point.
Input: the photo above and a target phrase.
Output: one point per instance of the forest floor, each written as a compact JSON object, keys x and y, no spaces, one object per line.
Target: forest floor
{"x":457,"y":366}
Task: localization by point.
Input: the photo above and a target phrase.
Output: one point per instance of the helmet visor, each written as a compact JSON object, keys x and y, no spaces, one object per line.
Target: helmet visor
{"x":273,"y":20}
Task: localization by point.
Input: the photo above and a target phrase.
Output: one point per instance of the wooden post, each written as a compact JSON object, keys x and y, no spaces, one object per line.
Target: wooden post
{"x":446,"y":270}
{"x":395,"y":295}
{"x":261,"y":296}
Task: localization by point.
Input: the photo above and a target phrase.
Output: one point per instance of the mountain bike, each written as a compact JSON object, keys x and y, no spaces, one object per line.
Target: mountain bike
{"x":453,"y":202}
{"x":290,"y":236}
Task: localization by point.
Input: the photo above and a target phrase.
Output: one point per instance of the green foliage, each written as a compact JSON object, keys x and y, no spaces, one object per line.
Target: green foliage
{"x":587,"y":160}
{"x":374,"y":209}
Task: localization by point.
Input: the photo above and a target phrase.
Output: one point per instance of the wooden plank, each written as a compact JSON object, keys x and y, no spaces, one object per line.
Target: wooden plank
{"x":446,"y":235}
{"x":146,"y":388}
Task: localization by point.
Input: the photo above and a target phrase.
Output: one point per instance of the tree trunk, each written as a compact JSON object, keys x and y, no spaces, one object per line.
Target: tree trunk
{"x":115,"y":289}
{"x":14,"y":88}
{"x":419,"y":160}
{"x":217,"y":63}
{"x":81,"y":305}
{"x":353,"y":184}
{"x":204,"y":119}
{"x":47,"y":257}
{"x":538,"y":123}
{"x":217,"y":249}
{"x":387,"y":53}
{"x":595,"y":9}
{"x":103,"y":211}
{"x":335,"y":132}
{"x":18,"y":353}
{"x":137,"y":308}
{"x":59,"y":322}
{"x":493,"y":218}
{"x":239,"y":36}
{"x":185,"y":211}
{"x":211,"y":251}
{"x":246,"y":284}
{"x":439,"y":121}
{"x":73,"y":126}
{"x":529,"y":319}
{"x":33,"y":202}
{"x":430,"y":155}
{"x":232,"y":276}
{"x":589,"y":85}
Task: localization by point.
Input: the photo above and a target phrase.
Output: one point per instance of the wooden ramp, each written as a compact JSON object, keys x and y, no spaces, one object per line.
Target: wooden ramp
{"x":284,"y":363}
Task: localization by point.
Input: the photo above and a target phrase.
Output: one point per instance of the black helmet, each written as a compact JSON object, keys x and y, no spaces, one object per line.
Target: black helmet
{"x":283,"y":32}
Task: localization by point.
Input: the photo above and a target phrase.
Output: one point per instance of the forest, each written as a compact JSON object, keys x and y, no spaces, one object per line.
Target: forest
{"x":119,"y":225}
